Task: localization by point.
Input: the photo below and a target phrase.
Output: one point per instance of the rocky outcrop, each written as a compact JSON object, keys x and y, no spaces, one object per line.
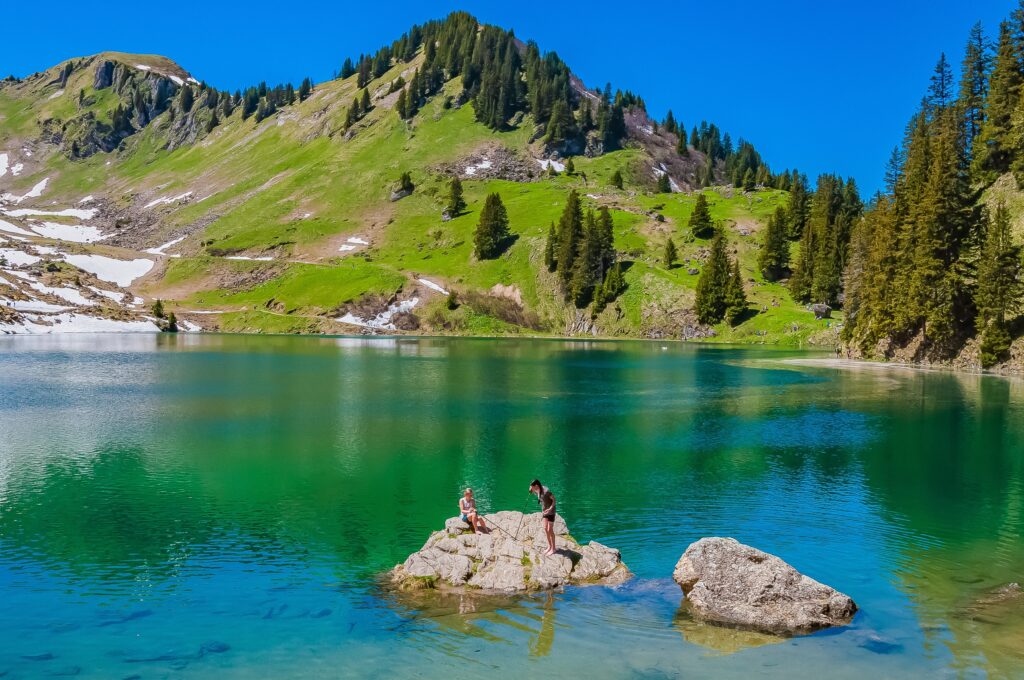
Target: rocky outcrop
{"x":509,"y":558}
{"x":729,"y":583}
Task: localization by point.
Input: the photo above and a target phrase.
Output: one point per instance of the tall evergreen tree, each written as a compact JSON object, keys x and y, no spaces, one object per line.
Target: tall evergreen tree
{"x":551,"y":249}
{"x":492,"y":231}
{"x":798,"y":206}
{"x":773,"y":259}
{"x":700,"y":222}
{"x":993,"y":144}
{"x":713,"y":284}
{"x":456,"y":203}
{"x":664,"y":185}
{"x":671,"y":254}
{"x":974,"y":82}
{"x":999,"y":287}
{"x":735,"y":297}
{"x":570,"y":234}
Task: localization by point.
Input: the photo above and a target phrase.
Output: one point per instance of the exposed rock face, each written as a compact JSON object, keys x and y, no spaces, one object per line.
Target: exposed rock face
{"x":508,"y":559}
{"x":733,"y":584}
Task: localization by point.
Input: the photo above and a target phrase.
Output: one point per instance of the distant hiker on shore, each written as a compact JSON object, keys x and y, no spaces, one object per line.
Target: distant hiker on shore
{"x":547,"y":511}
{"x":467,"y":511}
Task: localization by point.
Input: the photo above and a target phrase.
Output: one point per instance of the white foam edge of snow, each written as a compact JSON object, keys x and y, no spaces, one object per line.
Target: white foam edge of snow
{"x":34,"y":192}
{"x":87,"y":199}
{"x":120,"y":272}
{"x":33,"y":306}
{"x":72,"y":295}
{"x":358,"y":241}
{"x":11,"y":229}
{"x":433,"y":286}
{"x":79,"y":213}
{"x":482,"y":165}
{"x":143,"y":67}
{"x":159,"y":250}
{"x":545,"y":163}
{"x":250,"y":259}
{"x":17,"y":257}
{"x":173,"y":199}
{"x":4,"y":159}
{"x":17,"y":168}
{"x":346,"y":247}
{"x":112,"y":295}
{"x":76,"y":233}
{"x":78,"y":323}
{"x":383,"y":320}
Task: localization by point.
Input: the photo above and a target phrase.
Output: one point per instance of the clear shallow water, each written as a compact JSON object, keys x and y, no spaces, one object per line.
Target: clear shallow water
{"x":220,"y":506}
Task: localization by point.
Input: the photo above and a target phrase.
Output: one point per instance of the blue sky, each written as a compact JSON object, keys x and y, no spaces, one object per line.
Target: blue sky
{"x":823,"y":86}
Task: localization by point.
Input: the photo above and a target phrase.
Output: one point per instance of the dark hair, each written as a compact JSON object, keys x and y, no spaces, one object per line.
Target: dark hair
{"x":536,"y":482}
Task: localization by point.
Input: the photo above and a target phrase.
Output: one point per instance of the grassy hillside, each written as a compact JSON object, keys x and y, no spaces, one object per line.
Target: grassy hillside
{"x":293,"y":189}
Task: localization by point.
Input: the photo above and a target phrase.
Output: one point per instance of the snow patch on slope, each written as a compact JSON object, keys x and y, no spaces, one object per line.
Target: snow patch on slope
{"x":120,"y":272}
{"x":382,"y":321}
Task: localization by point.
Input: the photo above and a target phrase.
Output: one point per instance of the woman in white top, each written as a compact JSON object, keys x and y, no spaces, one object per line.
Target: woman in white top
{"x":467,"y":511}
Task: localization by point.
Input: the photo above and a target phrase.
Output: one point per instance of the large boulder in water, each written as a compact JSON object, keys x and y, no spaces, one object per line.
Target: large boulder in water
{"x":729,"y":583}
{"x":509,"y":558}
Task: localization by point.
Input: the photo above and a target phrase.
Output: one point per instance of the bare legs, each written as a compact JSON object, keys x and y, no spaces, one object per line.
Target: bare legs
{"x":477,"y":522}
{"x":549,"y":531}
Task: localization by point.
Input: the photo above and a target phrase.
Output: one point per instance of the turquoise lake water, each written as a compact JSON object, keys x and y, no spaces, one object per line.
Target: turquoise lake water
{"x":222,"y":506}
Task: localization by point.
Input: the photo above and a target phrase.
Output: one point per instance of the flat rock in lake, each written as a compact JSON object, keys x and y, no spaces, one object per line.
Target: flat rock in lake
{"x":509,"y":558}
{"x":732,"y":584}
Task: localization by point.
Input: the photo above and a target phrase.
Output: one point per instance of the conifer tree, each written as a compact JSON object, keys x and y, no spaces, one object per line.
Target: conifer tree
{"x":713,"y":284}
{"x":999,"y":287}
{"x":992,"y":144}
{"x":305,"y":88}
{"x":400,"y":105}
{"x":798,"y":204}
{"x":492,"y":230}
{"x":681,"y":148}
{"x":735,"y":297}
{"x":664,"y":185}
{"x":587,"y":270}
{"x":364,"y":102}
{"x":605,"y":239}
{"x":671,"y":254}
{"x":617,"y":179}
{"x":551,"y":249}
{"x":773,"y":260}
{"x":700,"y":222}
{"x":348,"y":69}
{"x":974,"y":82}
{"x":570,"y":234}
{"x":613,"y":283}
{"x":456,"y":203}
{"x":405,"y":182}
{"x":748,"y":180}
{"x":570,"y":167}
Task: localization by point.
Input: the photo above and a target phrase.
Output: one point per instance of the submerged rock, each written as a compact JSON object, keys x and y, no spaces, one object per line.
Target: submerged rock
{"x":729,"y":583}
{"x":507,"y":559}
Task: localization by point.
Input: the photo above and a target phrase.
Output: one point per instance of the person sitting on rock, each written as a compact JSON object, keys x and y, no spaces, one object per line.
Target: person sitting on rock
{"x":547,"y":512}
{"x":467,"y":511}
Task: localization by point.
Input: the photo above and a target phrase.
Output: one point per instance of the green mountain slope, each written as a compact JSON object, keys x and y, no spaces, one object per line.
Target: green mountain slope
{"x":287,"y":224}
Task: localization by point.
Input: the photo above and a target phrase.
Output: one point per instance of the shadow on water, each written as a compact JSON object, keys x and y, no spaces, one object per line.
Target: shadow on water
{"x":483,"y":616}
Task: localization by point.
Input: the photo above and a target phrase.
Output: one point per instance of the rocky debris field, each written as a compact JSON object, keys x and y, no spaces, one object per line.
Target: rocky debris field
{"x":510,"y":558}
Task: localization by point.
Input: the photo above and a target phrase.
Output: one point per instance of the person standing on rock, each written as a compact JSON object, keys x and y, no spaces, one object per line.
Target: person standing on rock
{"x":547,"y":512}
{"x":467,"y":511}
